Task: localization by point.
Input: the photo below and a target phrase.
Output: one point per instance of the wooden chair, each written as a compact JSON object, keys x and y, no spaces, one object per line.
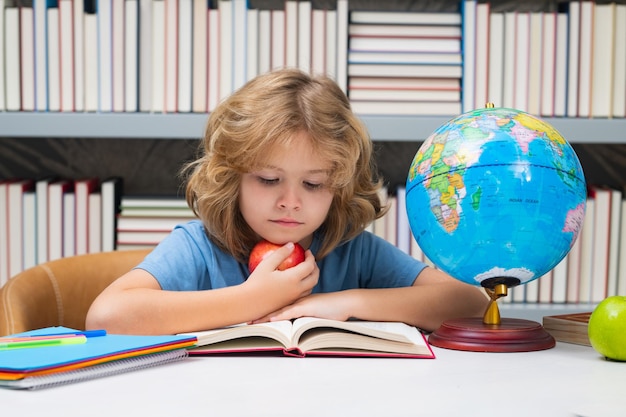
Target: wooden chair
{"x":59,"y":292}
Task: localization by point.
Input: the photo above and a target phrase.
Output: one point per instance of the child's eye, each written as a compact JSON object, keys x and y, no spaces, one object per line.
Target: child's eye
{"x":313,"y":185}
{"x":269,"y":181}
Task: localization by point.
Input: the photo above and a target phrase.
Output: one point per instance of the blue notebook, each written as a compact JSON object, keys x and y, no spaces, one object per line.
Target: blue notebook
{"x":100,"y":356}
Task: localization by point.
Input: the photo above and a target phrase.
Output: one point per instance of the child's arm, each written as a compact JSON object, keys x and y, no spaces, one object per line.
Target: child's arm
{"x":135,"y":303}
{"x":433,"y":298}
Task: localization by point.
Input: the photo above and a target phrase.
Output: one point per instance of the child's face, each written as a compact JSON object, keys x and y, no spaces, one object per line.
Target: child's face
{"x":287,"y":199}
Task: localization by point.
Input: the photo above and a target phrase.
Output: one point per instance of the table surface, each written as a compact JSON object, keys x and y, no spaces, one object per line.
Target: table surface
{"x":568,"y":380}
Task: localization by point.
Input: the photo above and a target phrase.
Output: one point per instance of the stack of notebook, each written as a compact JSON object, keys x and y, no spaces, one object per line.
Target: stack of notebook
{"x":60,"y":355}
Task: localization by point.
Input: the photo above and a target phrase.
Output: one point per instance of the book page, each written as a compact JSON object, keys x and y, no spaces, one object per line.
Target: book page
{"x":358,"y":336}
{"x":400,"y":332}
{"x":278,"y":331}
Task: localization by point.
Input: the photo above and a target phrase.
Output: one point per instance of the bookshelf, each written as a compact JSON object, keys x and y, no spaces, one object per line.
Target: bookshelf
{"x":397,"y":137}
{"x":191,"y":126}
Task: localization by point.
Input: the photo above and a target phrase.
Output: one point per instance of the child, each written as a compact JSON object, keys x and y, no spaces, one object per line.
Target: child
{"x":284,"y":159}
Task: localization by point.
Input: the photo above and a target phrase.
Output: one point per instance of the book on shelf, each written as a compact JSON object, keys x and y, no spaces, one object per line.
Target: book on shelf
{"x":560,"y":66}
{"x":131,"y":55}
{"x":56,"y":215}
{"x":309,"y":336}
{"x":12,"y":73}
{"x":407,"y":108}
{"x":66,"y":54}
{"x":150,"y":224}
{"x":99,"y":355}
{"x":428,"y":31}
{"x":569,"y":328}
{"x":621,"y":251}
{"x":403,"y":95}
{"x":200,"y":55}
{"x":405,"y":70}
{"x":342,"y":40}
{"x":185,"y":57}
{"x":318,"y":41}
{"x":27,"y":57}
{"x":252,"y":41}
{"x":585,"y":57}
{"x":83,"y":188}
{"x":15,"y":222}
{"x":547,"y":90}
{"x":619,"y":62}
{"x":603,"y":50}
{"x":382,"y":57}
{"x":69,"y":227}
{"x":404,"y":83}
{"x":397,"y":44}
{"x":405,"y":18}
{"x":481,"y":58}
{"x":41,"y":71}
{"x":117,"y":54}
{"x":468,"y":10}
{"x":111,"y":191}
{"x":29,"y":230}
{"x":140,"y":237}
{"x":78,"y":41}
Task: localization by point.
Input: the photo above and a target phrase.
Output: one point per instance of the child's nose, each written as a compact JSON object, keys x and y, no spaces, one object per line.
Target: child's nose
{"x":289,"y":199}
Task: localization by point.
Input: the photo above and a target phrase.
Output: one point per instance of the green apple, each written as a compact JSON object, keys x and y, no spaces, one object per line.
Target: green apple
{"x":607,"y":328}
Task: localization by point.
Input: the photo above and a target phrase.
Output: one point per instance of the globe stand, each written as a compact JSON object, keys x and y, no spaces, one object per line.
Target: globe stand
{"x":492,"y":333}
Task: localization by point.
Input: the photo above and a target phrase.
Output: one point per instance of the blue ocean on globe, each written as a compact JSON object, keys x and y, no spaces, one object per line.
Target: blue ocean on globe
{"x":495,"y":196}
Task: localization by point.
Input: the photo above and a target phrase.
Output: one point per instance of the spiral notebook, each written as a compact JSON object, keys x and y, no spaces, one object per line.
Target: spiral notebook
{"x":46,"y":366}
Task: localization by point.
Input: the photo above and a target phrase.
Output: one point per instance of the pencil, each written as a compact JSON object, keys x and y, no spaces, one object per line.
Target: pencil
{"x":59,"y":341}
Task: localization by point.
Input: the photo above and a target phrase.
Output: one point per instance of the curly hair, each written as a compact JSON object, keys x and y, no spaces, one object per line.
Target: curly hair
{"x":267,"y":111}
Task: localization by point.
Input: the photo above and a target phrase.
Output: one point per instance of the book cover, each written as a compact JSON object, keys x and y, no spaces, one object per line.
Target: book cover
{"x":569,"y":328}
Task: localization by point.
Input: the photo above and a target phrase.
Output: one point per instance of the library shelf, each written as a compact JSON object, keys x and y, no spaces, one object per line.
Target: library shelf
{"x":191,"y":126}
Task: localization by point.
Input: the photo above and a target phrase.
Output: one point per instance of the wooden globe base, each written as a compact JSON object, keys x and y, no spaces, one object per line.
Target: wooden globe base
{"x":510,"y":335}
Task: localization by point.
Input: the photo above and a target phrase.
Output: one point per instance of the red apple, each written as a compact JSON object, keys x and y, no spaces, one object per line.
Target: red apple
{"x":265,"y":248}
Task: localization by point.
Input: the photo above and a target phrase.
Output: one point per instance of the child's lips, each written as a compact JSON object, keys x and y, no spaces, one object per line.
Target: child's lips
{"x":287,"y":222}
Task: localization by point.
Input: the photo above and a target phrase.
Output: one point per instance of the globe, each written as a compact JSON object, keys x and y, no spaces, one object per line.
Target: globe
{"x":495,"y":196}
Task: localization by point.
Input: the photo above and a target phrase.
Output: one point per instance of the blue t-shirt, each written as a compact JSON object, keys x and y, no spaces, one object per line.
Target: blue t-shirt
{"x":186,"y":260}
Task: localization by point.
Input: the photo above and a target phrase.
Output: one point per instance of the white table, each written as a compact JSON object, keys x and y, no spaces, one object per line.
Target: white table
{"x":568,"y":380}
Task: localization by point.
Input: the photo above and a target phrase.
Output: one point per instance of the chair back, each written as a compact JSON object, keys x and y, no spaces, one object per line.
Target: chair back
{"x":60,"y":292}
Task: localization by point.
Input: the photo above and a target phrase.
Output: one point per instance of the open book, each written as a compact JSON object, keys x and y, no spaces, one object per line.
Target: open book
{"x":312,"y":336}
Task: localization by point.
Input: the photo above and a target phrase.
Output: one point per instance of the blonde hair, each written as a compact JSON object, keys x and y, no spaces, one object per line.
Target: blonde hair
{"x":269,"y":110}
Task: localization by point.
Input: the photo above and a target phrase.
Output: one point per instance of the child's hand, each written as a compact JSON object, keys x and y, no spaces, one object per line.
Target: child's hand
{"x":280,"y":288}
{"x":333,"y":306}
